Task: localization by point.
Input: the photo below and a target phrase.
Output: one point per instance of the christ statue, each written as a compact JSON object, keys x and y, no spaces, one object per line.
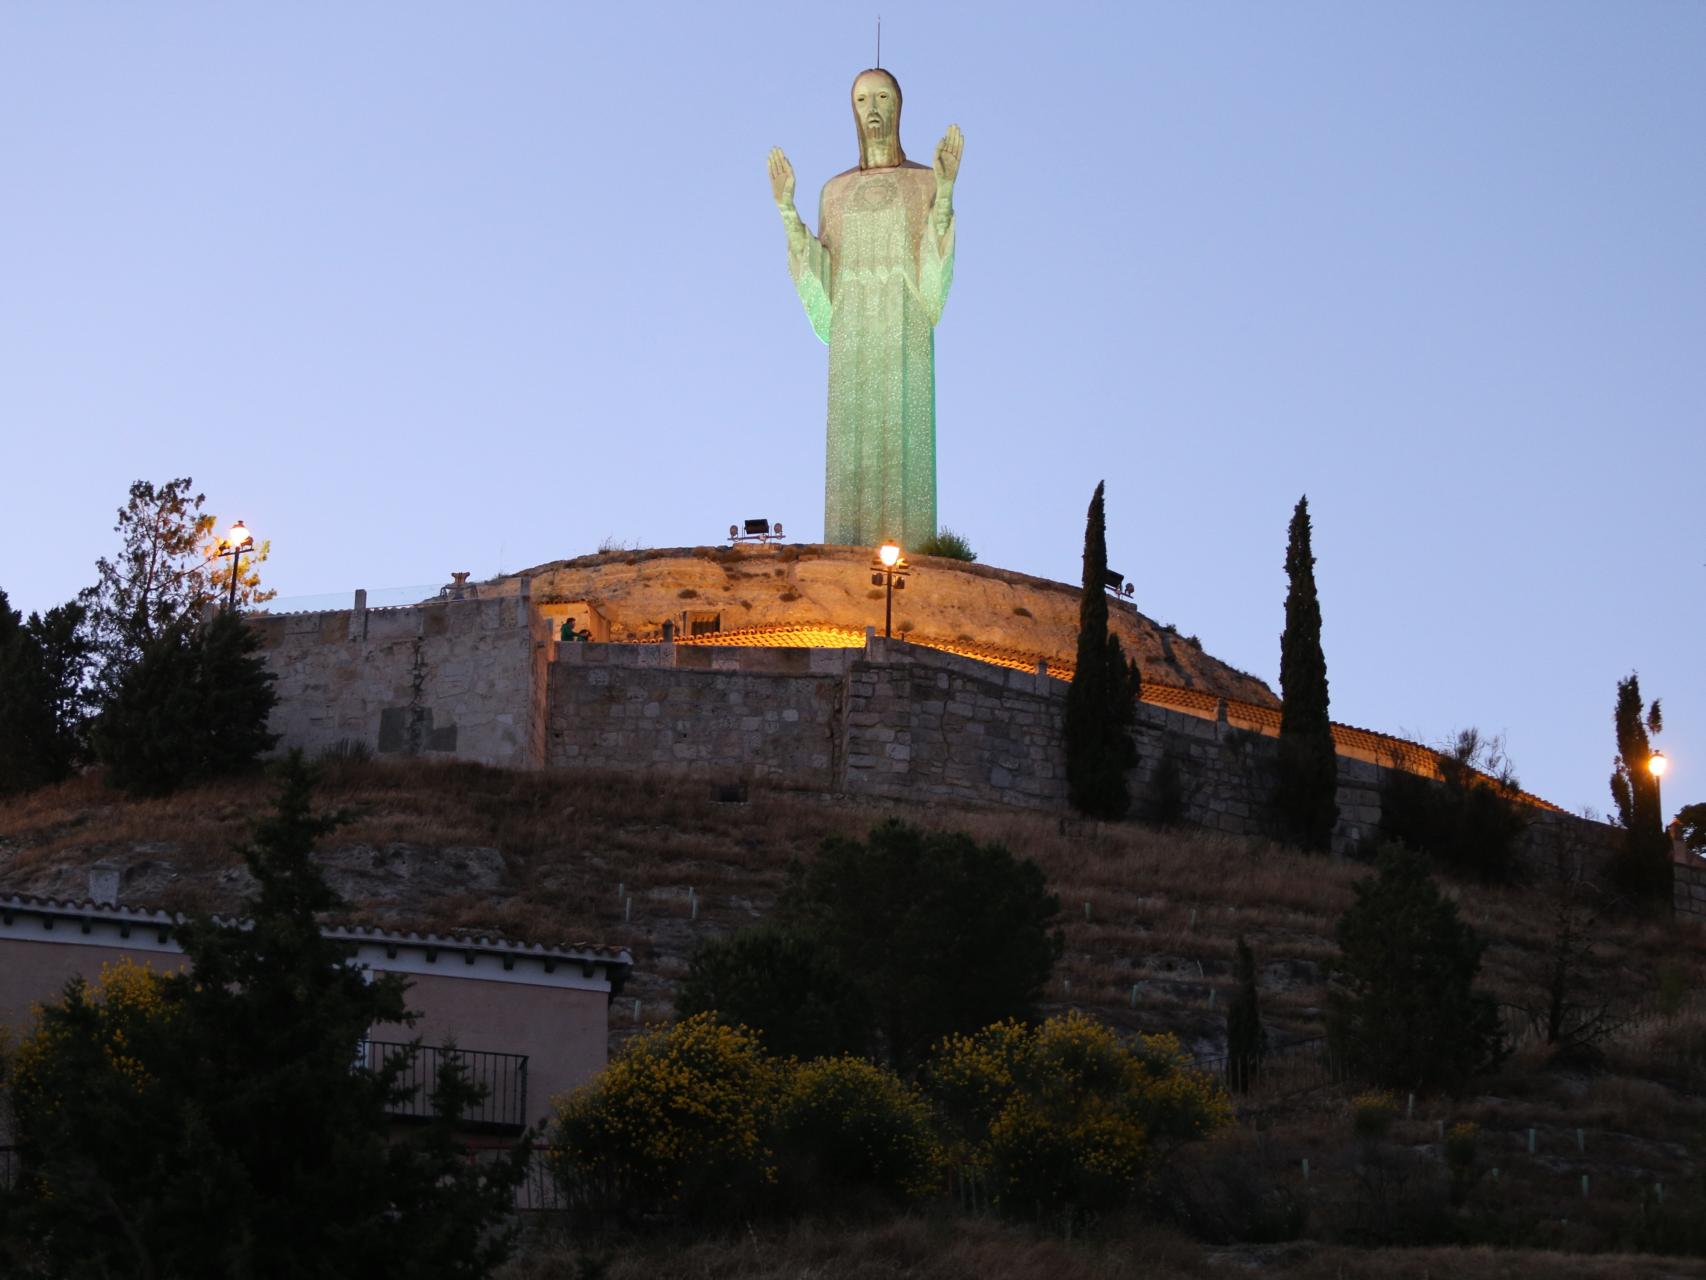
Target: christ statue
{"x":873,"y":280}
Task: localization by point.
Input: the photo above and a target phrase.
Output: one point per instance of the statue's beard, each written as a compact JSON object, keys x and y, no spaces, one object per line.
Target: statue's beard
{"x":879,"y":144}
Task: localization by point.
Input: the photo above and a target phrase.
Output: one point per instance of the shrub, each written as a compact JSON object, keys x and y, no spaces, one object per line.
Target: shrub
{"x":846,"y":1125}
{"x":676,"y":1124}
{"x":120,"y":1015}
{"x":969,"y":1078}
{"x":787,"y":986}
{"x":1372,"y":1113}
{"x":947,"y":545}
{"x":1063,"y":1116}
{"x":941,"y":933}
{"x":1465,"y":821}
{"x":1401,"y":1009}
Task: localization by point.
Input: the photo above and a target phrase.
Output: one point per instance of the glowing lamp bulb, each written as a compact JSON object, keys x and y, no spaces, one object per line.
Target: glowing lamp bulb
{"x":1657,"y":764}
{"x":239,"y":535}
{"x":889,"y":554}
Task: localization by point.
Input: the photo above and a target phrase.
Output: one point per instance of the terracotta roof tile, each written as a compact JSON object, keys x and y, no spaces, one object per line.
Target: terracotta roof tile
{"x":87,"y":909}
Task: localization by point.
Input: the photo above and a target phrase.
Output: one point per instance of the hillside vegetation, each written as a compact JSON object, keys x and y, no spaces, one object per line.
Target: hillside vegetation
{"x":1151,"y":920}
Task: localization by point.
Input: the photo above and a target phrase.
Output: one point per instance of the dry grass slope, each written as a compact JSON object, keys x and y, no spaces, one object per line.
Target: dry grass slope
{"x":1150,"y":920}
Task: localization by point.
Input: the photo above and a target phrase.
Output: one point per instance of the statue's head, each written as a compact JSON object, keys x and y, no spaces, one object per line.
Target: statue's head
{"x":876,"y":113}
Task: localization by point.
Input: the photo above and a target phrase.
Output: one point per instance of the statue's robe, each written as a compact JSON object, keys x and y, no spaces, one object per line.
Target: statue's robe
{"x":873,"y":281}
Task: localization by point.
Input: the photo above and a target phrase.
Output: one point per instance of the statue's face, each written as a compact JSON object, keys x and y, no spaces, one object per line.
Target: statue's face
{"x":876,"y":105}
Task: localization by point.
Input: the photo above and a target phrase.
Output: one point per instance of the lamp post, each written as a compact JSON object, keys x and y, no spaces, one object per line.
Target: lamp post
{"x":889,"y":565}
{"x":1656,"y":765}
{"x":234,"y":544}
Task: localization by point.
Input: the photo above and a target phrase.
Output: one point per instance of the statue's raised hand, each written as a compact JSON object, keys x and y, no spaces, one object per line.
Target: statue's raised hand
{"x":781,"y":180}
{"x":948,"y":150}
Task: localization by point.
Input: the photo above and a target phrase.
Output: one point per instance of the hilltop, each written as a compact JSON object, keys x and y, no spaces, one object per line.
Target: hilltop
{"x":946,"y":603}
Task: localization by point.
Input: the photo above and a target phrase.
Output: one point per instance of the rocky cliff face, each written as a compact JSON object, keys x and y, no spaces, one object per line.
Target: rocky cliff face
{"x":636,"y":592}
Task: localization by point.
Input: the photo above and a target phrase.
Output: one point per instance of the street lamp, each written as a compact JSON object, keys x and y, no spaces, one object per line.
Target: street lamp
{"x":1656,"y":765}
{"x":234,"y":544}
{"x":890,"y":573}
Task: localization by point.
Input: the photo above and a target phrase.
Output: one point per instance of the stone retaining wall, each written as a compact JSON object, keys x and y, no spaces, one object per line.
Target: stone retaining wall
{"x":454,"y":678}
{"x":928,"y":725}
{"x":482,"y":679}
{"x":1691,"y":892}
{"x":683,"y":712}
{"x":892,"y":719}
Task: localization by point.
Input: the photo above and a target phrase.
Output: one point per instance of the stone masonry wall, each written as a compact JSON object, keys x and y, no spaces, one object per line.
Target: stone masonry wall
{"x":483,"y":680}
{"x":458,"y":678}
{"x":1691,"y":892}
{"x":924,"y":724}
{"x":891,"y":720}
{"x":686,"y":713}
{"x":1226,"y":776}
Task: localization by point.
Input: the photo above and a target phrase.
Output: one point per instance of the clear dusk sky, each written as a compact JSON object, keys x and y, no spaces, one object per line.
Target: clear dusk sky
{"x":423,"y":287}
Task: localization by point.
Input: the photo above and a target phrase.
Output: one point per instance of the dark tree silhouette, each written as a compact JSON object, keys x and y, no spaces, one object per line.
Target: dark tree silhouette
{"x":1307,"y":797}
{"x":1643,"y":869}
{"x":1402,"y":1011}
{"x":1101,"y":703}
{"x":229,"y":1130}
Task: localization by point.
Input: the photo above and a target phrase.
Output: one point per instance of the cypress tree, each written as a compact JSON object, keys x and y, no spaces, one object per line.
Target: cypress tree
{"x":1246,"y":1041}
{"x":1101,"y":704}
{"x":1306,"y":803}
{"x":1643,"y":869}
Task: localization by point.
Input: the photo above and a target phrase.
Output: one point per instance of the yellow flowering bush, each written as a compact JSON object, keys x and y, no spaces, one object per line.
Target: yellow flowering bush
{"x":1373,"y":1112}
{"x":1063,"y":1114}
{"x":969,"y":1080}
{"x":112,"y":1016}
{"x":846,"y":1124}
{"x":678,"y":1122}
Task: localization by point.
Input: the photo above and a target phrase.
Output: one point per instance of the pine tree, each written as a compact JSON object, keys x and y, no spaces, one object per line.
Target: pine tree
{"x":229,"y":1129}
{"x":1306,"y":801}
{"x":1101,"y":703}
{"x":1246,"y":1040}
{"x":1643,"y":869}
{"x":43,"y":663}
{"x":163,"y":576}
{"x":194,"y":706}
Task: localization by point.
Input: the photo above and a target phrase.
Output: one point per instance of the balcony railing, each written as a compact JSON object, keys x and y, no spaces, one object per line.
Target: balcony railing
{"x":504,"y":1076}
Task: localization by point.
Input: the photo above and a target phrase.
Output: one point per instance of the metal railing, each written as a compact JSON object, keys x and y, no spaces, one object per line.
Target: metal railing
{"x":503,"y":1076}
